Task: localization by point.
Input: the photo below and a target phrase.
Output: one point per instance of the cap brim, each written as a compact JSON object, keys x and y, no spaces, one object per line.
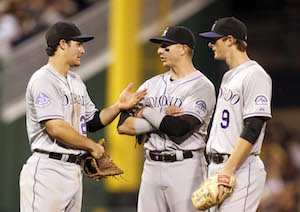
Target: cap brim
{"x":83,"y":38}
{"x":160,"y":40}
{"x":210,"y":35}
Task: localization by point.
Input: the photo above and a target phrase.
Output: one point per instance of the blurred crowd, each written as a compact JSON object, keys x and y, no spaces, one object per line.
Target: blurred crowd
{"x":20,"y":19}
{"x":281,"y":156}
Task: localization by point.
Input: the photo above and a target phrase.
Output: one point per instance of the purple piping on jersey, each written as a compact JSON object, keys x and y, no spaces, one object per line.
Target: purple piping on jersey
{"x":257,"y":113}
{"x":33,"y":198}
{"x":165,"y":140}
{"x":165,"y":88}
{"x":57,"y":77}
{"x":191,"y":80}
{"x":187,"y":82}
{"x":188,"y":112}
{"x":247,"y":187}
{"x":50,"y":116}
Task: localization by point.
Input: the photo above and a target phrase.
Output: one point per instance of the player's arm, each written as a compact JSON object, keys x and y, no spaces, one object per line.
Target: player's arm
{"x":102,"y":118}
{"x":130,"y":125}
{"x":126,"y":101}
{"x":67,"y":135}
{"x":248,"y":137}
{"x":257,"y":82}
{"x":197,"y":107}
{"x":107,"y":115}
{"x":244,"y":145}
{"x":172,"y":126}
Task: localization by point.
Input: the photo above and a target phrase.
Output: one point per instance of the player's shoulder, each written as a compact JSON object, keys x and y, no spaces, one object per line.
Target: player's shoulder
{"x":152,"y":82}
{"x":40,"y":74}
{"x":203,"y":81}
{"x":253,"y":66}
{"x":40,"y":78}
{"x":158,"y":78}
{"x":255,"y":70}
{"x":162,"y":76}
{"x":74,"y":76}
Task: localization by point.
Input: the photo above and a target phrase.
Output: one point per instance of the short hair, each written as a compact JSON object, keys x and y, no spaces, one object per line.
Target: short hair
{"x":50,"y":50}
{"x":240,"y":44}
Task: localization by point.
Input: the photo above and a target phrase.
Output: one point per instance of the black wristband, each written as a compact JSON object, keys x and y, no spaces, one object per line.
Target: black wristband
{"x":124,"y":115}
{"x":178,"y":126}
{"x":95,"y":124}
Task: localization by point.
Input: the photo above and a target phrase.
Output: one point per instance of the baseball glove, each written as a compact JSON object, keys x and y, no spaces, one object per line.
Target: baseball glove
{"x":206,"y":195}
{"x":102,"y":167}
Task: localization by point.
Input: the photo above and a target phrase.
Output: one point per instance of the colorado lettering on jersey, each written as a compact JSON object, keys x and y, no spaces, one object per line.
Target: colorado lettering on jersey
{"x":73,"y":98}
{"x":229,"y":96}
{"x":163,"y":100}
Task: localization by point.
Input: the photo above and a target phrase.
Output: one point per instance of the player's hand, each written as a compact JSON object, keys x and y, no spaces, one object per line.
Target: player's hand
{"x":139,"y":113}
{"x":128,"y":100}
{"x":174,"y":110}
{"x":97,"y":151}
{"x":223,"y":188}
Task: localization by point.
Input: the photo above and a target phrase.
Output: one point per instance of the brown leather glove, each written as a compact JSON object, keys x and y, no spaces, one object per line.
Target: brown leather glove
{"x":206,"y":195}
{"x":102,"y":167}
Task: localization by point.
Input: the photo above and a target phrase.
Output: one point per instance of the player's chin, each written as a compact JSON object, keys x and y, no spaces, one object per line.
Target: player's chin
{"x":77,"y":63}
{"x":165,"y":64}
{"x":216,"y":57}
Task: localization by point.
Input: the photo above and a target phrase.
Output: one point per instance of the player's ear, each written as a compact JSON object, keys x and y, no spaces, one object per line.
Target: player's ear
{"x":185,"y":49}
{"x":62,"y":44}
{"x":230,"y":39}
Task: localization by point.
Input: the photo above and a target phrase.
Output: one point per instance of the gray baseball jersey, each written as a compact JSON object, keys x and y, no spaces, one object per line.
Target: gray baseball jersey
{"x":244,"y":92}
{"x":52,"y":96}
{"x":194,"y":93}
{"x":164,"y":187}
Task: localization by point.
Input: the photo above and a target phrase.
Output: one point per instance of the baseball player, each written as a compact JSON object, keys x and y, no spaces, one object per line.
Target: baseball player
{"x":175,"y":114}
{"x":239,"y":123}
{"x":59,"y":115}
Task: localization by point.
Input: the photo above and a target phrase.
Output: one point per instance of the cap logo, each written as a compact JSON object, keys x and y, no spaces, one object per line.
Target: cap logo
{"x":213,"y":27}
{"x":165,"y":32}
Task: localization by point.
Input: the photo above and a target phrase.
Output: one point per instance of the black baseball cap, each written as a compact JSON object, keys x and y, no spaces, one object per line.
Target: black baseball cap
{"x":67,"y":31}
{"x":227,"y":26}
{"x":177,"y":34}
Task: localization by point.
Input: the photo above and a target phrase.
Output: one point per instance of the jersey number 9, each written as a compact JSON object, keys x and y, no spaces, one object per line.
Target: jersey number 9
{"x":225,"y":119}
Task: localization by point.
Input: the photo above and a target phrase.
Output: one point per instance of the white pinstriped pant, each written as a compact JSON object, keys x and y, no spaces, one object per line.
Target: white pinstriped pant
{"x":251,"y":178}
{"x":48,"y":185}
{"x":168,"y":186}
